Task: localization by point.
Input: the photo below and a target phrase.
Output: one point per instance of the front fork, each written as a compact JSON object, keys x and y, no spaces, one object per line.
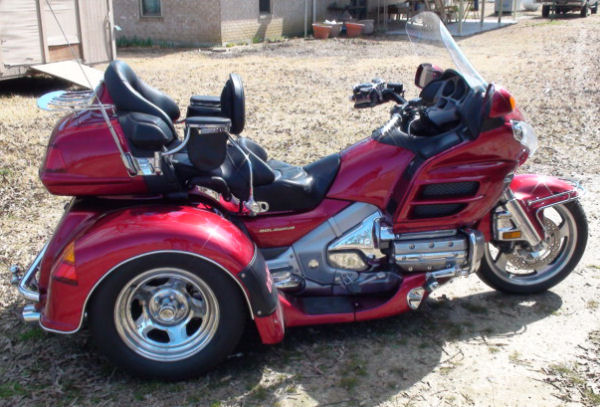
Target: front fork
{"x":522,"y":227}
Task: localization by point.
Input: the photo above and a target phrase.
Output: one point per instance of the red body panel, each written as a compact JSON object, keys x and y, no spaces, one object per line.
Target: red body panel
{"x":284,"y":229}
{"x":369,"y":172}
{"x":397,"y":304}
{"x":82,"y":158}
{"x":486,"y":160}
{"x":127,"y":233}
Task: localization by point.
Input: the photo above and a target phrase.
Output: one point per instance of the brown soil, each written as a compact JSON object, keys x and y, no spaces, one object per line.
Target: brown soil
{"x":468,"y":345}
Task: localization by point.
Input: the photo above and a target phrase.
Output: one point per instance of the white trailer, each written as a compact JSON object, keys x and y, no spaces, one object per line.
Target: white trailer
{"x":49,"y":35}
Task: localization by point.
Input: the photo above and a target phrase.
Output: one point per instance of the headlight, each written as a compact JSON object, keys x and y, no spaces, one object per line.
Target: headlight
{"x":525,"y":135}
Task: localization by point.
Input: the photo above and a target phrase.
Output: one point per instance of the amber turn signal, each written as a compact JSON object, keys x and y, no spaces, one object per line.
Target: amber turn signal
{"x":515,"y":234}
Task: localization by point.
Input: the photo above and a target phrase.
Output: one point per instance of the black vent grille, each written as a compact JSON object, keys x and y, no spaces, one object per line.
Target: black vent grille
{"x":437,"y":211}
{"x":449,"y":189}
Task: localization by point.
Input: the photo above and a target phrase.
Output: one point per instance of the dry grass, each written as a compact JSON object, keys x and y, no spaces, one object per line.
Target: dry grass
{"x":297,"y":104}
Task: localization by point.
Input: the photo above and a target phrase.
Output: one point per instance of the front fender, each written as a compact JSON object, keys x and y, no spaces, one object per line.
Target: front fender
{"x":125,"y":234}
{"x":535,"y":192}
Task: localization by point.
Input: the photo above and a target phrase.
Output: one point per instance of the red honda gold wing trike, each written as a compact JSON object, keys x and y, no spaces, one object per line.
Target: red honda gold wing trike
{"x":171,"y":244}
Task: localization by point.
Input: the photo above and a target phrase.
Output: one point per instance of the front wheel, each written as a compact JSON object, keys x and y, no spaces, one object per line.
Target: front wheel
{"x":167,"y":316}
{"x":519,"y":269}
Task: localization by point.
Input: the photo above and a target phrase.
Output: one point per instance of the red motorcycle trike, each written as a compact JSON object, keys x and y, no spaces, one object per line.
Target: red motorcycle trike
{"x":171,"y":245}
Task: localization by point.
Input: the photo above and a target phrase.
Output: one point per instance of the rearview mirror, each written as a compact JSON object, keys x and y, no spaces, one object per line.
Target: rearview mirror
{"x":426,"y":73}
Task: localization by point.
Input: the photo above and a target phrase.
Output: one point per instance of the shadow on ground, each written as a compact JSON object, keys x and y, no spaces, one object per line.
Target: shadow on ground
{"x":333,"y":364}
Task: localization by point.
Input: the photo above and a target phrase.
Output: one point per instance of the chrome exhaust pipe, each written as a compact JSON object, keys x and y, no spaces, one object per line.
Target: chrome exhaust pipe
{"x":30,"y":314}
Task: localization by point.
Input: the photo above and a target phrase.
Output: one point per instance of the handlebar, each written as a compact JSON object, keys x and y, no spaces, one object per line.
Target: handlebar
{"x":377,"y":92}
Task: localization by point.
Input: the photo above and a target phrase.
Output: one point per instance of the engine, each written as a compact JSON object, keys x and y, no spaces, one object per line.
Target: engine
{"x":367,"y":257}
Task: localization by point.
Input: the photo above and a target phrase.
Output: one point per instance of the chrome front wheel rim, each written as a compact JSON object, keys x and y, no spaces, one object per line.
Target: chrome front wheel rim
{"x":563,"y":233}
{"x":166,"y":314}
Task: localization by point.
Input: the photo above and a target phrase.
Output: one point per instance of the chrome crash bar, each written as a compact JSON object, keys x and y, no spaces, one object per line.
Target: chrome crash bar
{"x":27,"y":286}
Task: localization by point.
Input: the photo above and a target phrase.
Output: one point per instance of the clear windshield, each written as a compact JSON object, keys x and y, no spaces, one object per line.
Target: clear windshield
{"x":431,"y":39}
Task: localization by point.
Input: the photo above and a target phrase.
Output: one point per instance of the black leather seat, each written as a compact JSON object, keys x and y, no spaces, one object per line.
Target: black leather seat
{"x":131,"y":94}
{"x":283,"y":186}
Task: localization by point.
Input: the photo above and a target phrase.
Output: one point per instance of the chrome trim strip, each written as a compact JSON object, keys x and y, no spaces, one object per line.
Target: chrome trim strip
{"x":30,"y":293}
{"x":148,"y":254}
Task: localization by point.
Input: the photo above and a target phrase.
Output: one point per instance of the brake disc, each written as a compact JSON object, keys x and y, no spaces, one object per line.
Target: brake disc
{"x":530,"y":259}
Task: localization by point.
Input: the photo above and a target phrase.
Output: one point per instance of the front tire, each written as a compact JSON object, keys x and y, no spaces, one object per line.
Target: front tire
{"x":545,"y":11}
{"x":167,"y":316}
{"x":517,"y":269}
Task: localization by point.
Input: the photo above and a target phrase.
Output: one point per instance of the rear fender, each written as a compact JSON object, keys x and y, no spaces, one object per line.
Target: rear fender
{"x":130,"y":233}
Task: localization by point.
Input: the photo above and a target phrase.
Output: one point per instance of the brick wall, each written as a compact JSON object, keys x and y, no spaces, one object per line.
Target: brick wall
{"x":199,"y":22}
{"x":187,"y":22}
{"x":242,"y":21}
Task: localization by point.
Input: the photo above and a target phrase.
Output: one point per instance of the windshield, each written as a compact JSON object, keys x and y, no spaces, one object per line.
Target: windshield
{"x":430,"y":38}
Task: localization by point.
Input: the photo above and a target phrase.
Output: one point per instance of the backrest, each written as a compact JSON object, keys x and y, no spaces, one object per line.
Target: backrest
{"x":130,"y":94}
{"x":233,"y":103}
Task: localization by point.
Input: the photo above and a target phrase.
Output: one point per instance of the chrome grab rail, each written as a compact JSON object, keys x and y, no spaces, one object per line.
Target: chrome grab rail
{"x":571,"y":195}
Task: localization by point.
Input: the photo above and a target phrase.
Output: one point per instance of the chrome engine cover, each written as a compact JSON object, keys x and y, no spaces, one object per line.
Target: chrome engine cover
{"x":430,"y":254}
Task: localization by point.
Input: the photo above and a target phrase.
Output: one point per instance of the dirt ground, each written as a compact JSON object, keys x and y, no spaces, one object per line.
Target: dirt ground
{"x":467,"y":345}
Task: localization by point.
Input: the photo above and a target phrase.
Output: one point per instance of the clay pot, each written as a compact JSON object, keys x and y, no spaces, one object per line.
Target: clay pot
{"x":321,"y":31}
{"x":369,"y":26}
{"x":354,"y":29}
{"x":336,"y":28}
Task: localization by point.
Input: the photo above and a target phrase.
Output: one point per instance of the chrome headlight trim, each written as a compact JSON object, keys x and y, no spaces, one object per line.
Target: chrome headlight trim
{"x":524,"y":134}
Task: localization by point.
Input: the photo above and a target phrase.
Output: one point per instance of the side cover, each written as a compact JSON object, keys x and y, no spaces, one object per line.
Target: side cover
{"x":126,"y":233}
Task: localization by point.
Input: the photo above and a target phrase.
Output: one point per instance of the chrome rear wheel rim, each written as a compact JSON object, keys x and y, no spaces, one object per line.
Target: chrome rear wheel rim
{"x":563,"y":224}
{"x":166,"y":314}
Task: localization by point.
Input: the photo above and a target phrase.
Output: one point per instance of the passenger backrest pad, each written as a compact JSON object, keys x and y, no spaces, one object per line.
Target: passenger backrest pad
{"x":145,"y":131}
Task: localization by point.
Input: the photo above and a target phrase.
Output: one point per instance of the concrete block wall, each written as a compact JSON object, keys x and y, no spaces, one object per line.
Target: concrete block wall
{"x":186,"y":22}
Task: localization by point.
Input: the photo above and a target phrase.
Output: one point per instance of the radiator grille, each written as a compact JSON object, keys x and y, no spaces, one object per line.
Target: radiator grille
{"x":449,"y":189}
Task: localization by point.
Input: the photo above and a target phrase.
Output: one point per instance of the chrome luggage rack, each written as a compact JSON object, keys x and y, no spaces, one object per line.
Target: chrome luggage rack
{"x":76,"y":100}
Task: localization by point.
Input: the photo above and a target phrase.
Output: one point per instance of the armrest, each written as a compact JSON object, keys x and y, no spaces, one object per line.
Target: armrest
{"x":208,"y":101}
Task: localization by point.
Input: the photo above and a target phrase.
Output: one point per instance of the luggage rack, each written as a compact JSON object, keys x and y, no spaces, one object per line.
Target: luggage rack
{"x":78,"y":100}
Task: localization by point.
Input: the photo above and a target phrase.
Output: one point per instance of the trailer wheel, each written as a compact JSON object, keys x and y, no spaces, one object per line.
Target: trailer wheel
{"x":545,"y":11}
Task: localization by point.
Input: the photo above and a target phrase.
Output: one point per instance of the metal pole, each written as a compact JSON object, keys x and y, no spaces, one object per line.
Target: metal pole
{"x":314,"y":11}
{"x":461,"y":13}
{"x":501,"y":10}
{"x":482,"y":13}
{"x":514,"y":13}
{"x":305,"y":18}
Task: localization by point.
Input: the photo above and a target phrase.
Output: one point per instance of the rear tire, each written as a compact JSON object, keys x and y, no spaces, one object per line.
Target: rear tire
{"x":584,"y":11}
{"x":167,"y":316}
{"x":594,"y":9}
{"x":571,"y":238}
{"x":545,"y":11}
